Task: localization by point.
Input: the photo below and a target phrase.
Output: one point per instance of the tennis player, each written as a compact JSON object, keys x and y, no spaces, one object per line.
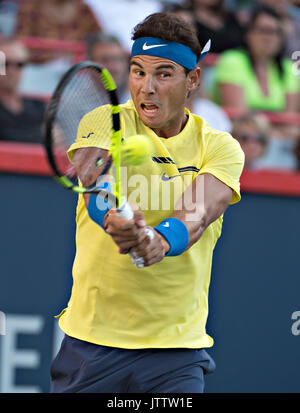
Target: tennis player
{"x":144,"y":330}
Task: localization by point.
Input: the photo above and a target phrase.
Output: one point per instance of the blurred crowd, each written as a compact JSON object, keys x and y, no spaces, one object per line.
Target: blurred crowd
{"x":251,"y":74}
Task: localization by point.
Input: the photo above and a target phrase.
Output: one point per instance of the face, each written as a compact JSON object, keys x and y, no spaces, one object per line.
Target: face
{"x":251,"y":141}
{"x":15,"y":59}
{"x":159,"y":89}
{"x":265,"y":38}
{"x":113,"y":57}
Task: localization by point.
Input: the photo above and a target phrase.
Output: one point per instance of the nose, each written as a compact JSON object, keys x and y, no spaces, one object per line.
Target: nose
{"x":148,"y":86}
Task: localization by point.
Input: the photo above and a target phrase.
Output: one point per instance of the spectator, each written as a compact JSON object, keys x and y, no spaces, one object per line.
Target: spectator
{"x":21,"y":118}
{"x":56,"y":19}
{"x":252,"y":132}
{"x":212,"y":113}
{"x":297,"y":154}
{"x":291,"y":24}
{"x":8,"y":13}
{"x":120,"y":16}
{"x":214,"y":22}
{"x":199,"y":102}
{"x":107,"y":50}
{"x":183,"y":10}
{"x":294,"y":9}
{"x":265,"y":146}
{"x":281,"y":149}
{"x":258,"y":77}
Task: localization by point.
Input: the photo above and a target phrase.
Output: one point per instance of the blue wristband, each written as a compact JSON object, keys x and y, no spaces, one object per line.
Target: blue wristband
{"x":98,"y":206}
{"x":176,"y":233}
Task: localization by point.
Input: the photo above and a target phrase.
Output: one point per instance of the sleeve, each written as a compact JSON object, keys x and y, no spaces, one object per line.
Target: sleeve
{"x":230,"y":68}
{"x":94,"y":130}
{"x":225,"y":160}
{"x":291,"y":79}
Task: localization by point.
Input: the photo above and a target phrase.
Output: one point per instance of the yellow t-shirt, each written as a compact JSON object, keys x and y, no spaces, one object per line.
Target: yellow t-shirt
{"x":113,"y":303}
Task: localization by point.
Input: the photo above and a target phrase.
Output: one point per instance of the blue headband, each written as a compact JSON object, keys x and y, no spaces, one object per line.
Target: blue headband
{"x":179,"y":53}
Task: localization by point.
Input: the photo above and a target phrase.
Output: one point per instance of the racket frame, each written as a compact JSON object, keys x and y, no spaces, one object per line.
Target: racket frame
{"x":117,"y":200}
{"x":116,"y":137}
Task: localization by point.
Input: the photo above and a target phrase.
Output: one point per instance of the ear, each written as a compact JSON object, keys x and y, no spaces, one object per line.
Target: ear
{"x":193,"y":79}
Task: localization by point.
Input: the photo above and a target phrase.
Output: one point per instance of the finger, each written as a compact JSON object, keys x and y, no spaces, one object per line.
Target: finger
{"x":142,"y":249}
{"x":127,"y":244}
{"x":151,"y":259}
{"x":118,"y":222}
{"x":123,"y":250}
{"x":128,"y":231}
{"x":127,"y":224}
{"x":137,"y":236}
{"x":138,"y":218}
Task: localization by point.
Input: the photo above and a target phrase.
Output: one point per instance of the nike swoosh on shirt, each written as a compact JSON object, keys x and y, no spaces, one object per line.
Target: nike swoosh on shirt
{"x":146,"y":47}
{"x":164,"y":177}
{"x":85,"y":137}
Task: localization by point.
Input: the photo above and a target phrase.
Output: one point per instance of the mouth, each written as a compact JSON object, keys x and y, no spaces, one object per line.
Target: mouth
{"x":149,"y":109}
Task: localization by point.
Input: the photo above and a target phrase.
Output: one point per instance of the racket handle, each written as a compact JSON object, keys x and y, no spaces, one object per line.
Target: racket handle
{"x":125,"y":211}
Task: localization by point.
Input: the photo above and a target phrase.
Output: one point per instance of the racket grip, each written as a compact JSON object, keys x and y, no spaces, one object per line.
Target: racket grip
{"x":125,"y":211}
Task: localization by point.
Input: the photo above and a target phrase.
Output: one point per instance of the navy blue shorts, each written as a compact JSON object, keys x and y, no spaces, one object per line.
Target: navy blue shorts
{"x":82,"y":367}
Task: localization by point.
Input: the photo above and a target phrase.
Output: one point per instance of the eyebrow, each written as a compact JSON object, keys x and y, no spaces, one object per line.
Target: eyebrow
{"x":163,"y":66}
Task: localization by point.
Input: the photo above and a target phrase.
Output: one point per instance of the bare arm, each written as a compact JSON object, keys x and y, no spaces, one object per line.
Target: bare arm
{"x":197,"y":214}
{"x":292,"y":102}
{"x":125,"y":233}
{"x":212,"y":198}
{"x":232,"y":96}
{"x":211,"y":195}
{"x":84,"y":161}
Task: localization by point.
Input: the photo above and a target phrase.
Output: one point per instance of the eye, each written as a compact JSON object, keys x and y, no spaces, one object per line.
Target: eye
{"x":138,"y":72}
{"x":164,"y":75}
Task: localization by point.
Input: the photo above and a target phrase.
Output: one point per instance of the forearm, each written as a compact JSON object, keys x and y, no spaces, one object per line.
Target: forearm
{"x":85,"y":163}
{"x":212,"y":198}
{"x":195,"y":228}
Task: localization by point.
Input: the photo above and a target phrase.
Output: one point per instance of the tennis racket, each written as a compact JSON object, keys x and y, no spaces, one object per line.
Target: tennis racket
{"x":84,"y":88}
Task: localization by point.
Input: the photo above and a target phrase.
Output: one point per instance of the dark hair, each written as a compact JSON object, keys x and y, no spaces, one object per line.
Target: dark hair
{"x":258,"y":11}
{"x":219,"y":8}
{"x":168,"y":27}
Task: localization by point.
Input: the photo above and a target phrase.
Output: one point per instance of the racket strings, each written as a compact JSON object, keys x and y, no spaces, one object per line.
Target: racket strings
{"x":84,"y":93}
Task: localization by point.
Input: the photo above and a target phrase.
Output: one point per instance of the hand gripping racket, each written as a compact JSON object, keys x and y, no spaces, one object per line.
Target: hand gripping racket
{"x":87,"y":89}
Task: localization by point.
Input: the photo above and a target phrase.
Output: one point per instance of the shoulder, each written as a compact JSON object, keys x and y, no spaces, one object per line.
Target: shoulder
{"x":128,"y":112}
{"x":287,"y":65}
{"x":239,"y":55}
{"x":216,"y":141}
{"x":127,"y":107}
{"x":291,"y":75}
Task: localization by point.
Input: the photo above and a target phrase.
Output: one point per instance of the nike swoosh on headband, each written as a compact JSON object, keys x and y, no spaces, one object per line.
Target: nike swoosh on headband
{"x":146,"y":47}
